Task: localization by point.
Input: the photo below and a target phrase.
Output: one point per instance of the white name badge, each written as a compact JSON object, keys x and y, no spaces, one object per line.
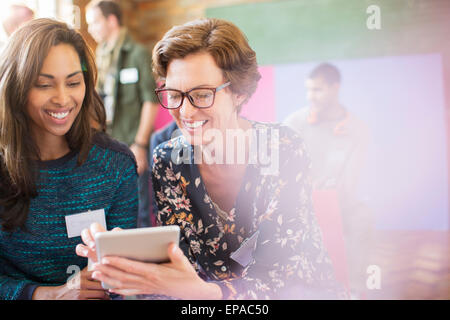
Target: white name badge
{"x":244,"y":254}
{"x":75,"y":223}
{"x":129,"y":75}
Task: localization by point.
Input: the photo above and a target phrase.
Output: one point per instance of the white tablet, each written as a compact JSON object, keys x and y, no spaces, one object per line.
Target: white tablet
{"x":143,"y":244}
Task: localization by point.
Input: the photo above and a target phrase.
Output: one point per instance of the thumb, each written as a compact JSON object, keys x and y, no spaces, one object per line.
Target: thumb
{"x":96,"y":228}
{"x":176,"y":255}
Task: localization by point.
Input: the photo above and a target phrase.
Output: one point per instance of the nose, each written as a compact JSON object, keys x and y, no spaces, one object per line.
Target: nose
{"x":187,"y":110}
{"x":61,"y":97}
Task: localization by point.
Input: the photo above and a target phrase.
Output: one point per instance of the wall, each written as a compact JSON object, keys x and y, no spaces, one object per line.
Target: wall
{"x":396,"y":79}
{"x":148,"y":20}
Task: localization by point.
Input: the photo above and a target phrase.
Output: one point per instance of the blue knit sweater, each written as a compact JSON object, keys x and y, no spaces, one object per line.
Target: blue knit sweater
{"x":43,"y":254}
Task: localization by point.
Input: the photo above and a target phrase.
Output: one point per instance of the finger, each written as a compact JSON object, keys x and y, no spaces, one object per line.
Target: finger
{"x":87,"y":238}
{"x":88,"y":235}
{"x":117,"y":278}
{"x":117,"y":229}
{"x":88,"y":282}
{"x":81,"y":250}
{"x":129,"y":292}
{"x":94,"y":294}
{"x":96,"y":228}
{"x":131,"y":266}
{"x":177,"y":256}
{"x":86,"y":252}
{"x":92,"y":285}
{"x":113,"y":283}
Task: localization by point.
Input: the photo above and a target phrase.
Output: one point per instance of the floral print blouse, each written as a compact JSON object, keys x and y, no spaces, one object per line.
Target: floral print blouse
{"x":288,"y":260}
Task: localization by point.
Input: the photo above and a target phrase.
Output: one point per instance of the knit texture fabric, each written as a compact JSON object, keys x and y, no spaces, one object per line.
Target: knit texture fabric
{"x":43,"y":254}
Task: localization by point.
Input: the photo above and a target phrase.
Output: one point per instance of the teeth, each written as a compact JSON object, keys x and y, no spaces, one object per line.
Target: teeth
{"x":58,"y":115}
{"x":195,"y":124}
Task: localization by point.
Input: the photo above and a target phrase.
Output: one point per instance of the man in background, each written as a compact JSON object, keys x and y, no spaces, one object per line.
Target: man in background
{"x":127,"y":87}
{"x":17,"y":15}
{"x":337,"y":143}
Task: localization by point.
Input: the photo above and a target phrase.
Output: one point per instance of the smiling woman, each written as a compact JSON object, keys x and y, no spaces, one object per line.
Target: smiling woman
{"x":245,"y":232}
{"x":55,"y":100}
{"x":54,"y":156}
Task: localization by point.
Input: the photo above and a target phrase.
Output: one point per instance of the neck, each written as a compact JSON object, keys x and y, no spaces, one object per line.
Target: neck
{"x":52,"y":147}
{"x":113,"y":37}
{"x":333,"y":111}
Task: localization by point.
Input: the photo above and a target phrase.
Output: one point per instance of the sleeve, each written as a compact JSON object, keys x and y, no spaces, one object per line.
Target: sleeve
{"x":290,"y":261}
{"x":124,"y":209}
{"x":27,"y":292}
{"x":12,"y":288}
{"x":146,"y":84}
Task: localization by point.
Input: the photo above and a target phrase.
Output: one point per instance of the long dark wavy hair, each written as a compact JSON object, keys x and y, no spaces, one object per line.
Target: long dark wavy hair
{"x":20,"y":64}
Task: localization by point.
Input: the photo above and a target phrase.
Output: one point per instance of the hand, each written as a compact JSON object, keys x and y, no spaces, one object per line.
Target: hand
{"x":88,"y":235}
{"x":176,"y":278}
{"x":84,"y":287}
{"x":140,"y":154}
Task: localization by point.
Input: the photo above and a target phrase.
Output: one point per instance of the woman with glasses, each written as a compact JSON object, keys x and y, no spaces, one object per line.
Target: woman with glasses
{"x":247,"y":227}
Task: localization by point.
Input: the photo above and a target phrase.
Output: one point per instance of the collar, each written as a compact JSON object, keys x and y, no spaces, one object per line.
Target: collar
{"x":119,"y":43}
{"x":126,"y":42}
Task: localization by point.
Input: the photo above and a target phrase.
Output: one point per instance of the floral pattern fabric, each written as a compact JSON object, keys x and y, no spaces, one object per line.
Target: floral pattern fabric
{"x":289,"y":260}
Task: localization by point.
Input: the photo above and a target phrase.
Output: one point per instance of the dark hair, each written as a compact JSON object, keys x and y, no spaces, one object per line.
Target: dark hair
{"x":223,"y":40}
{"x":327,"y":72}
{"x":108,"y":8}
{"x":20,"y":64}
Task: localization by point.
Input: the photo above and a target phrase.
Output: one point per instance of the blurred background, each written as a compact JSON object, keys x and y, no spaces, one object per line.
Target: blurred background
{"x":394,"y":58}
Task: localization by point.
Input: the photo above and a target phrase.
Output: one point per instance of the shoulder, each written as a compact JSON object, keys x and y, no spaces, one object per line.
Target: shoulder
{"x":171,"y":159}
{"x":111,"y":148}
{"x":170,"y":149}
{"x":282,"y":135}
{"x":356,"y":129}
{"x":299,"y":115}
{"x":135,"y":49}
{"x":356,"y":124}
{"x":285,"y":148}
{"x":297,"y":119}
{"x":164,"y":134}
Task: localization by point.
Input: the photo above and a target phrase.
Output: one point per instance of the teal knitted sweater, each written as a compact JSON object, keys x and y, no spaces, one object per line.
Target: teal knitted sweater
{"x":43,"y":255}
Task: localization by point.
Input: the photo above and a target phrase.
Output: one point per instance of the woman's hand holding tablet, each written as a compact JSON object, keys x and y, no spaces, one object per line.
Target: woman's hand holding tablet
{"x":144,"y":261}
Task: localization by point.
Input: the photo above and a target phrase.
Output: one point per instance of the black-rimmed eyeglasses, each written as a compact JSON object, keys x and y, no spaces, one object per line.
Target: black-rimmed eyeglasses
{"x":198,"y":97}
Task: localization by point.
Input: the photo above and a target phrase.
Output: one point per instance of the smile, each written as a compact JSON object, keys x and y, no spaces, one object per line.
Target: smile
{"x":59,"y":115}
{"x":194,"y":124}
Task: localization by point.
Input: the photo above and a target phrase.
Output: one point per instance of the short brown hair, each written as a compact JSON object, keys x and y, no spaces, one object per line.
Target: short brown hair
{"x":223,"y":40}
{"x":107,"y":8}
{"x":327,"y":72}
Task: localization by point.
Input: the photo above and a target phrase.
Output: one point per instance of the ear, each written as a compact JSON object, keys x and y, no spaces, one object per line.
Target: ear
{"x":238,"y":99}
{"x":113,"y":21}
{"x":336,"y":86}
